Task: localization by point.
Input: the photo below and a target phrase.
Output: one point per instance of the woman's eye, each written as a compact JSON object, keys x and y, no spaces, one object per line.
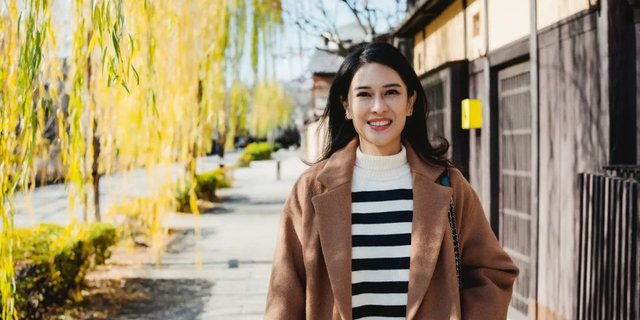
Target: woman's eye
{"x":362,"y":94}
{"x":393,"y":92}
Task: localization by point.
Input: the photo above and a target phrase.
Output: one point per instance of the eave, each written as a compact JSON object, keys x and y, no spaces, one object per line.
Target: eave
{"x":419,"y":17}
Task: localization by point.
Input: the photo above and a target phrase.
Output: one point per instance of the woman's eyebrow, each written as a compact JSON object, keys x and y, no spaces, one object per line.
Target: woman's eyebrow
{"x":388,"y":85}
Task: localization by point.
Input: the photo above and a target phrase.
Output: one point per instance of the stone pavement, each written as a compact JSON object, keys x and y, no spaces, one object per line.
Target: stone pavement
{"x":232,"y":256}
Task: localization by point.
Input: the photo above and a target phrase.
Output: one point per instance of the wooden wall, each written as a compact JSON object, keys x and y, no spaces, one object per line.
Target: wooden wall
{"x":579,"y":89}
{"x":479,"y":175}
{"x":574,"y":138}
{"x":574,"y":127}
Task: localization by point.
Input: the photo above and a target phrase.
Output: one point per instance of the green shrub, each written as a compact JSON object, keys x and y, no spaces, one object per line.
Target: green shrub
{"x":52,"y":262}
{"x":206,"y":185}
{"x":244,"y":160}
{"x":208,"y":182}
{"x":103,"y":236}
{"x":223,"y":180}
{"x":136,"y":218}
{"x":255,"y":151}
{"x":182,"y":196}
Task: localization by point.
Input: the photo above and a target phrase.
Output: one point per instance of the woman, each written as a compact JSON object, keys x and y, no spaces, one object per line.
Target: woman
{"x":366,"y":231}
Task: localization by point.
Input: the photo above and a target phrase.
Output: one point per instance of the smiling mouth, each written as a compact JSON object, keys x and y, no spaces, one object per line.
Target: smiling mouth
{"x":379,"y":123}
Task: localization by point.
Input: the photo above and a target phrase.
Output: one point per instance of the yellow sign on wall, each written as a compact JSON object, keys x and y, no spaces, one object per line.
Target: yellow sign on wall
{"x":471,"y":114}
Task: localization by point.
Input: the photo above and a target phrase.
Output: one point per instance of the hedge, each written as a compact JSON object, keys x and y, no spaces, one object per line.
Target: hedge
{"x":206,"y":185}
{"x":255,"y":151}
{"x":52,"y":262}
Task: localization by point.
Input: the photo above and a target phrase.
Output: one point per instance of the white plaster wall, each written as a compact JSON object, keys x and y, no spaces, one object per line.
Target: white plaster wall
{"x":445,"y":37}
{"x":508,"y":21}
{"x":551,"y":11}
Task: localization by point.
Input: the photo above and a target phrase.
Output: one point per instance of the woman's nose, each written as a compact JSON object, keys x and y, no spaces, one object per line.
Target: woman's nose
{"x":379,"y":105}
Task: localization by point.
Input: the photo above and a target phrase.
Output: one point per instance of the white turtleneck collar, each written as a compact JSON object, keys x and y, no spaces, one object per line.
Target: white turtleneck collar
{"x":381,"y":163}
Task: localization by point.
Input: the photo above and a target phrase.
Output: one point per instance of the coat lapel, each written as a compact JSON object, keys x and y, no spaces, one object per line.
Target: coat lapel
{"x":430,"y":208}
{"x":430,"y":205}
{"x":333,"y":210}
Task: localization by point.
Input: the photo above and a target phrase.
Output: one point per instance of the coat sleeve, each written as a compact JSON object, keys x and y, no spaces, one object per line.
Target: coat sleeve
{"x":286,"y":296}
{"x":488,"y":272}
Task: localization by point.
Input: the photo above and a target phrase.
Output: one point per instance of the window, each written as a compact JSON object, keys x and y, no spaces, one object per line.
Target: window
{"x":436,"y":108}
{"x":475,"y":31}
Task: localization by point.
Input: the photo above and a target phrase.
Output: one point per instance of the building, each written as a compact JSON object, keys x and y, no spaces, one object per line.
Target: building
{"x":559,"y":83}
{"x":323,"y":67}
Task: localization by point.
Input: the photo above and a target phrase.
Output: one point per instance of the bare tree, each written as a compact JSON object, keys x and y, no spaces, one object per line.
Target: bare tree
{"x":318,"y":19}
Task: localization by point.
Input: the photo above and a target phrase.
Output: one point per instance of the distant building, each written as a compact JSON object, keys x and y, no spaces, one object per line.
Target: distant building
{"x":323,"y":67}
{"x":555,"y":105}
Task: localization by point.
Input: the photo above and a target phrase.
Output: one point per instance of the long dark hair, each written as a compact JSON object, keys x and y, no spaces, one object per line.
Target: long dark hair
{"x":341,"y":130}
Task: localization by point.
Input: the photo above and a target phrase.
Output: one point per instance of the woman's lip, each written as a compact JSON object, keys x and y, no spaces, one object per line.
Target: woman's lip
{"x":370,"y":122}
{"x":387,"y":124}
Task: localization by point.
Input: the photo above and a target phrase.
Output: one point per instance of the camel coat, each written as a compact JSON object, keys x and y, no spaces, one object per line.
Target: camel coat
{"x":311,"y":275}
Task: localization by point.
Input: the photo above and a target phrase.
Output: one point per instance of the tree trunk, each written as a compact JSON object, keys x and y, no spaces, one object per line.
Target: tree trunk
{"x":222,"y":142}
{"x":95,"y":141}
{"x":95,"y":174}
{"x":190,"y":166}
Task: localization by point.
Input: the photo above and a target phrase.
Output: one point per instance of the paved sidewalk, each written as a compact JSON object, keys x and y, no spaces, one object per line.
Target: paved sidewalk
{"x":234,"y":250}
{"x":50,"y":203}
{"x":246,"y":236}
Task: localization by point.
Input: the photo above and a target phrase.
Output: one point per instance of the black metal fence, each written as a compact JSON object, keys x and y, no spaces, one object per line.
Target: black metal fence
{"x":608,"y":268}
{"x":623,"y":171}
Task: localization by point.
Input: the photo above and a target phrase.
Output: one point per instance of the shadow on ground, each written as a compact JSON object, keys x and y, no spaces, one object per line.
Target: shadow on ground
{"x":234,"y":199}
{"x":140,"y":299}
{"x":244,"y":200}
{"x":186,"y":240}
{"x":216,"y":210}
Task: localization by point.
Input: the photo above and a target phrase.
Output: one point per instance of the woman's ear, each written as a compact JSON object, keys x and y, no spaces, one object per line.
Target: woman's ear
{"x":410,"y":103}
{"x":345,"y":105}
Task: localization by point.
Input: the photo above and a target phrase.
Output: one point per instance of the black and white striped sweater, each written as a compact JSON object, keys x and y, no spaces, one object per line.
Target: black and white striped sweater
{"x":382,"y":209}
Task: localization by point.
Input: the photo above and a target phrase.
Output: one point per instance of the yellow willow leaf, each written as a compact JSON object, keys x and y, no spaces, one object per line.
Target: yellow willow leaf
{"x":24,"y":37}
{"x":92,"y":42}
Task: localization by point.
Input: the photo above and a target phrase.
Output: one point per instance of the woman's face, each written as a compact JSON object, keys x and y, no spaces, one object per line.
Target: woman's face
{"x":378,"y":103}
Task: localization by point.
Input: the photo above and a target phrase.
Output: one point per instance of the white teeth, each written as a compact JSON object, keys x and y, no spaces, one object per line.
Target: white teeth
{"x":380,"y":123}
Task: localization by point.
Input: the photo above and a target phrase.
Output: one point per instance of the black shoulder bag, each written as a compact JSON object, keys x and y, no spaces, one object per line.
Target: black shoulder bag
{"x":444,"y":180}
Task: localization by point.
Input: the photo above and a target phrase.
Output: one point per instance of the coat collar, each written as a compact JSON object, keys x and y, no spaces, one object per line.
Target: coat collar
{"x":339,"y":167}
{"x":333,"y":210}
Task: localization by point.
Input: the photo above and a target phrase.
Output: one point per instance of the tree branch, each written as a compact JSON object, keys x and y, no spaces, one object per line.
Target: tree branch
{"x":318,"y":20}
{"x":356,"y":14}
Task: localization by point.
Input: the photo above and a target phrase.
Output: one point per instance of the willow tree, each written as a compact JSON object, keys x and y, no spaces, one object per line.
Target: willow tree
{"x":183,"y":52}
{"x":265,"y":17}
{"x":22,"y":40}
{"x":99,"y":35}
{"x":147,"y":77}
{"x":28,"y":54}
{"x":271,"y":108}
{"x":271,"y":105}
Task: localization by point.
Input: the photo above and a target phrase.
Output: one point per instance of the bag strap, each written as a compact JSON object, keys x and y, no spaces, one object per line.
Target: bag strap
{"x":444,"y":180}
